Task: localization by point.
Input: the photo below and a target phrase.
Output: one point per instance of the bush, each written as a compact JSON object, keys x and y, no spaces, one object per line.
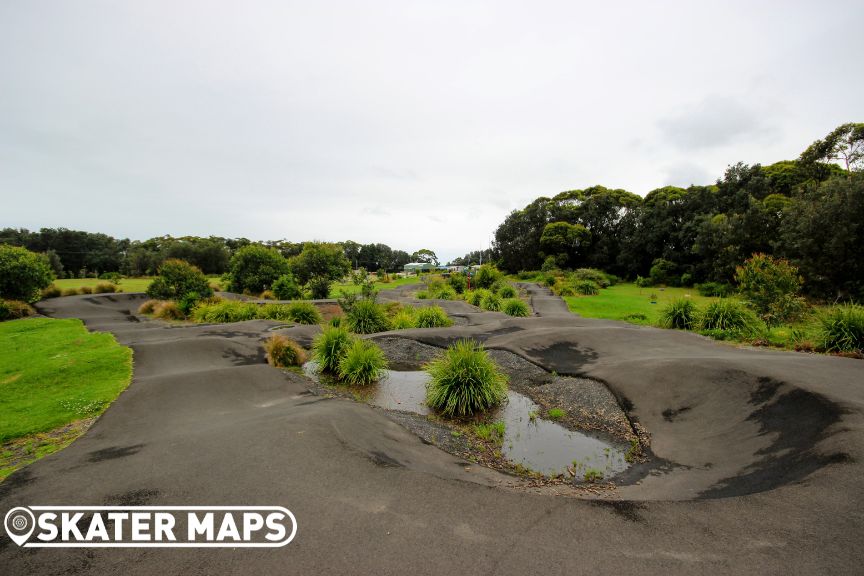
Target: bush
{"x":275,"y":312}
{"x":422,"y":295}
{"x":148,"y":307}
{"x":714,"y":289}
{"x":842,"y":328}
{"x":404,"y":319}
{"x":367,"y":317}
{"x":594,"y":275}
{"x":177,"y":279}
{"x":168,"y":310}
{"x":727,"y":316}
{"x":286,"y":288}
{"x":549,"y":264}
{"x":507,"y":291}
{"x":586,"y":288}
{"x":687,"y":279}
{"x":113,"y":277}
{"x":267,"y":295}
{"x":70,"y":291}
{"x":475,"y":297}
{"x":283,"y":351}
{"x":329,"y":347}
{"x":486,"y":276}
{"x":52,"y":291}
{"x":255,"y":268}
{"x":458,"y":282}
{"x":431,"y":317}
{"x":550,"y":281}
{"x":664,"y":272}
{"x":14,"y":309}
{"x":566,"y":291}
{"x":85,"y":290}
{"x":319,"y":287}
{"x":643,"y":282}
{"x":104,"y":288}
{"x":515,"y":307}
{"x":771,"y":286}
{"x":464,"y":381}
{"x":491,"y":302}
{"x":528,"y":274}
{"x":681,"y":314}
{"x":362,"y":363}
{"x":304,"y":313}
{"x":188,"y":302}
{"x":23,"y":274}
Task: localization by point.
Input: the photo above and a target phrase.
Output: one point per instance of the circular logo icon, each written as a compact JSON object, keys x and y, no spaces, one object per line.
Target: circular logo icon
{"x":19,"y":523}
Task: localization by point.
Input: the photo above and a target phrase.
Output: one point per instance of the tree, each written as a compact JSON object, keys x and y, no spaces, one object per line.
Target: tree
{"x":254,"y":268}
{"x":23,"y":274}
{"x":563,"y":238}
{"x":320,"y":260}
{"x":286,"y":288}
{"x":845,"y":144}
{"x":425,"y":255}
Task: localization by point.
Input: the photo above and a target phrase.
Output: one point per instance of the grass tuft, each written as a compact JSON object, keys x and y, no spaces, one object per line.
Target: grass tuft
{"x":362,"y":363}
{"x":515,"y":307}
{"x":329,"y":347}
{"x":681,"y":314}
{"x":464,"y":381}
{"x":842,"y":328}
{"x":367,"y":317}
{"x":432,"y":317}
{"x":283,"y":352}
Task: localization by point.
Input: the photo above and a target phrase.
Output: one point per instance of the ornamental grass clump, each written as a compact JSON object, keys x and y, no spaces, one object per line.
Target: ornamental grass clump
{"x":842,"y":328}
{"x":404,"y":319}
{"x":727,"y":316}
{"x":586,"y":287}
{"x":464,"y":381}
{"x":362,"y":363}
{"x":224,"y":311}
{"x":367,"y":317}
{"x":283,"y":352}
{"x":515,"y":307}
{"x":304,"y":313}
{"x":432,"y":317}
{"x":329,"y":347}
{"x":491,"y":302}
{"x":681,"y":314}
{"x":507,"y":291}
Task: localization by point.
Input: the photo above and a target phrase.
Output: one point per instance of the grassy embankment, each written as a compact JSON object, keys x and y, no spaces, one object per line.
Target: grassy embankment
{"x":55,"y":379}
{"x":633,"y":304}
{"x":353,"y":288}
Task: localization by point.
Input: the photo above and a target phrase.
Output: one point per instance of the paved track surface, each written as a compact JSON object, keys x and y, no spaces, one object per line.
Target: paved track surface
{"x":757,"y":465}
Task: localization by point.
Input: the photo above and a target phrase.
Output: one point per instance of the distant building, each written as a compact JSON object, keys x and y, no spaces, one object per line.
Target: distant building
{"x":414,"y":267}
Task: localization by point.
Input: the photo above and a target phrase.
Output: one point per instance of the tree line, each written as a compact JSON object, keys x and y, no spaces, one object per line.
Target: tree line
{"x":809,"y":211}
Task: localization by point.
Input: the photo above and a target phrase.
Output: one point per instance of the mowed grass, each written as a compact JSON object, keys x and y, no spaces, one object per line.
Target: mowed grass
{"x":350,"y":288}
{"x":628,"y":301}
{"x":126,"y":284}
{"x":55,"y":377}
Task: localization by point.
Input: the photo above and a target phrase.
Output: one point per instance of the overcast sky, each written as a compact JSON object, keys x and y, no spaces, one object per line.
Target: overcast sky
{"x":415,"y":124}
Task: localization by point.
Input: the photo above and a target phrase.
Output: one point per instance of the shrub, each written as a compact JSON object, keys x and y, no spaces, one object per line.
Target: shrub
{"x":486,"y":276}
{"x":527,"y":274}
{"x":727,"y":316}
{"x":404,"y":319}
{"x":113,"y":277}
{"x":168,"y":310}
{"x":515,"y":307}
{"x":458,"y":282}
{"x":362,"y":363}
{"x":422,"y":295}
{"x":319,"y":287}
{"x":566,"y":290}
{"x":274,"y":312}
{"x":686,"y":279}
{"x":85,"y":290}
{"x":148,"y":307}
{"x":445,"y":293}
{"x":367,"y":317}
{"x":283,"y":351}
{"x":304,"y":313}
{"x":286,"y":288}
{"x":267,"y":295}
{"x":643,"y":282}
{"x":254,"y":268}
{"x":771,"y":287}
{"x":664,"y":272}
{"x":681,"y":314}
{"x":549,"y":264}
{"x":177,"y":279}
{"x":842,"y":328}
{"x":329,"y":347}
{"x":586,"y":288}
{"x":550,"y":281}
{"x":507,"y":291}
{"x":594,"y":275}
{"x":23,"y":274}
{"x":714,"y":289}
{"x":104,"y":288}
{"x":52,"y":291}
{"x":464,"y":381}
{"x":70,"y":291}
{"x":432,"y":317}
{"x":475,"y":297}
{"x":491,"y":302}
{"x":14,"y":309}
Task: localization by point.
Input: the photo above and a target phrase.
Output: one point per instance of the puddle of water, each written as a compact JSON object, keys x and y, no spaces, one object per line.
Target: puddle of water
{"x":541,"y":445}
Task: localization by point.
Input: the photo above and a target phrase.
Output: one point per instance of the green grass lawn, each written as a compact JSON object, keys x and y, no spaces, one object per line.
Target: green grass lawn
{"x":55,"y":377}
{"x":126,"y":284}
{"x":353,"y":288}
{"x":622,"y":301}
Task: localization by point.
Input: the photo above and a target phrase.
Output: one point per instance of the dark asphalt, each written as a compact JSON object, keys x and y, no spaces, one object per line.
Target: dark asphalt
{"x":757,"y":469}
